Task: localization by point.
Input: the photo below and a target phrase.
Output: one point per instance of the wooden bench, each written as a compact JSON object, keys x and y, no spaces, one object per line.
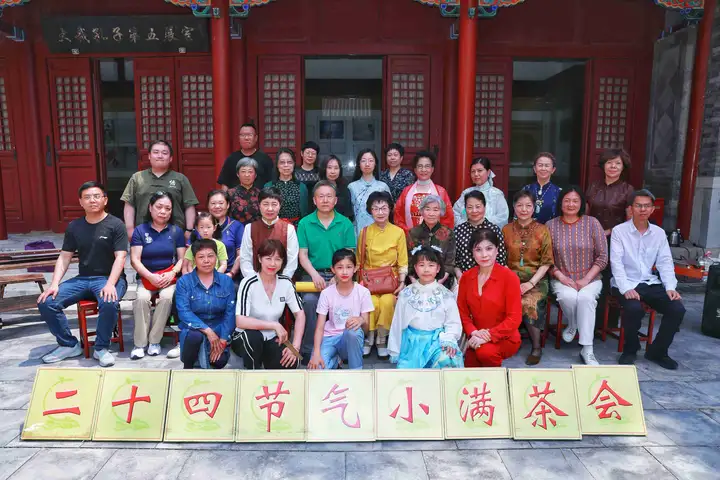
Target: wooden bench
{"x":23,"y":302}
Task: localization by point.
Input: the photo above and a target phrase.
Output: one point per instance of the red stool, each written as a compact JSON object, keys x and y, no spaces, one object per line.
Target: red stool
{"x":619,"y":332}
{"x":554,"y":329}
{"x":90,"y":307}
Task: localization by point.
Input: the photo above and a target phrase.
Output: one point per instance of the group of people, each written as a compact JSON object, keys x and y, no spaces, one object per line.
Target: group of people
{"x":393,"y":263}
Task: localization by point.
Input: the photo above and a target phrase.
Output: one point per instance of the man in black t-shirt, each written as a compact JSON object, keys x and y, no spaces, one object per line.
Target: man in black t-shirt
{"x":101,"y":243}
{"x":248,"y":148}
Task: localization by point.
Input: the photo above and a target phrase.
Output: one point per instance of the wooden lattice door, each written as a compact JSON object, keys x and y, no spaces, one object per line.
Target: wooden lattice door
{"x":8,"y":154}
{"x":280,"y":104}
{"x":73,"y":120}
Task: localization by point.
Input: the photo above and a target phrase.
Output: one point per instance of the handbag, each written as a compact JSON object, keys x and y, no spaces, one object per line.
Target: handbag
{"x":380,"y":281}
{"x":149,"y":286}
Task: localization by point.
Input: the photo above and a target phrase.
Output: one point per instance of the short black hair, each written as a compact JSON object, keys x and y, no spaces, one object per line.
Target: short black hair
{"x":342,"y":254}
{"x":395,"y":146}
{"x":287,"y":151}
{"x":378,"y":197}
{"x":424,"y":154}
{"x":476,"y":194}
{"x":250,"y":125}
{"x":610,"y":153}
{"x":643,"y":192}
{"x":219,"y":191}
{"x":323,"y":183}
{"x":153,"y":199}
{"x":570,"y":189}
{"x":161,"y":142}
{"x":89,"y":185}
{"x":482,"y":234}
{"x":429,"y":254}
{"x":524,"y":193}
{"x":312,"y":145}
{"x":268,"y":248}
{"x":202,"y":244}
{"x":358,"y":171}
{"x":270,"y":192}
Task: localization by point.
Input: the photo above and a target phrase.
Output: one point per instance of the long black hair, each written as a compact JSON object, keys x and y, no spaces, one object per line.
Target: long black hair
{"x":358,"y":172}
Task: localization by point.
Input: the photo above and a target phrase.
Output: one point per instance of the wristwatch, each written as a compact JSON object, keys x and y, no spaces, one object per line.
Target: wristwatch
{"x":189,"y":230}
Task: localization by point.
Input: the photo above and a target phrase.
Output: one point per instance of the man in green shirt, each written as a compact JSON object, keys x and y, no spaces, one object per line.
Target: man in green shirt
{"x":320,"y":234}
{"x":159,"y":177}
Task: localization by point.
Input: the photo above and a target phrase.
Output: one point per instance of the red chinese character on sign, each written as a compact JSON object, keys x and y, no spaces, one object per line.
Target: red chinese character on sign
{"x":131,"y":402}
{"x":410,"y":418}
{"x":274,"y":407}
{"x":480,"y":404}
{"x":211,"y":402}
{"x":334,"y":403}
{"x":60,"y":396}
{"x":618,"y":401}
{"x":546,"y":407}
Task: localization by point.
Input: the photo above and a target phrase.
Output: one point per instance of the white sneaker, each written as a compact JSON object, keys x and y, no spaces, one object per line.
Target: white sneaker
{"x":61,"y":353}
{"x":154,"y":349}
{"x":382,"y":351}
{"x":137,"y":353}
{"x":366,"y":350}
{"x":569,"y":334}
{"x":589,"y":359}
{"x":105,"y":358}
{"x":174,"y":352}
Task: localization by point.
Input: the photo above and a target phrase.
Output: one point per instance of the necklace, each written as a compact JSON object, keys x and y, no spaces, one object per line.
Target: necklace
{"x":541,"y":197}
{"x":524,"y":233}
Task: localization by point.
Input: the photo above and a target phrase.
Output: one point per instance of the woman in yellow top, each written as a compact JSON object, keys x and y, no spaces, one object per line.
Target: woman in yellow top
{"x":385,"y":245}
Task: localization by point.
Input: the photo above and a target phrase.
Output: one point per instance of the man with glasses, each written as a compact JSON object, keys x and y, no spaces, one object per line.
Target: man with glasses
{"x":159,"y":178}
{"x":320,"y":234}
{"x":248,"y":148}
{"x":636,"y":248}
{"x":101,"y":243}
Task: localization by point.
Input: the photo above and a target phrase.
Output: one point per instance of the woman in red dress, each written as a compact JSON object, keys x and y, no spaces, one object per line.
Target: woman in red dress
{"x":489,"y":304}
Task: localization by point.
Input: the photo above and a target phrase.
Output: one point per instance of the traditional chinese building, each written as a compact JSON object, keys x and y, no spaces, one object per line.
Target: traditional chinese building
{"x":85,"y":85}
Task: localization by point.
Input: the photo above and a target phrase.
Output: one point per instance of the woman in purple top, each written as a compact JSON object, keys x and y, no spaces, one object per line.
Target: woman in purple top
{"x":580,"y":252}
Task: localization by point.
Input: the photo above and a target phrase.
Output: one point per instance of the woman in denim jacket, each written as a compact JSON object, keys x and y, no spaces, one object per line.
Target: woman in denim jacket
{"x":206,"y":308}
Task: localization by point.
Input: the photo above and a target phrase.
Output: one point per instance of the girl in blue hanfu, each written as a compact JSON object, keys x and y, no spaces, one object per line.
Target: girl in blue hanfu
{"x":426,"y":326}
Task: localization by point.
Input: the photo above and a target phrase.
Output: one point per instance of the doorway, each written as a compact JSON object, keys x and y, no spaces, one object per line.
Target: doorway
{"x":343,"y":107}
{"x":547,"y":116}
{"x":119,"y":150}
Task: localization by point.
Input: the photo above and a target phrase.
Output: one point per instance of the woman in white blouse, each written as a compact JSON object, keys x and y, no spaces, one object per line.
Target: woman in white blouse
{"x":260,"y":339}
{"x":496,"y":206}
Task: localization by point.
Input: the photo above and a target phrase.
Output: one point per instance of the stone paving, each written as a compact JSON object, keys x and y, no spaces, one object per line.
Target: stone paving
{"x":682,"y":410}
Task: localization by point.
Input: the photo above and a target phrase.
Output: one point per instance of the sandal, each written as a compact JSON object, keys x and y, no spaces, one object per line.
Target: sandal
{"x":534,"y":359}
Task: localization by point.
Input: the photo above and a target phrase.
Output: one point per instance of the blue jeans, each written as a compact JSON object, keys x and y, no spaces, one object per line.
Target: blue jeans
{"x":349,"y":346}
{"x":70,"y":293}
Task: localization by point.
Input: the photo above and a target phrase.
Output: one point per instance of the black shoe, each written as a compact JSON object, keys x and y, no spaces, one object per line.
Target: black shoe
{"x":627,"y":359}
{"x":663,"y":360}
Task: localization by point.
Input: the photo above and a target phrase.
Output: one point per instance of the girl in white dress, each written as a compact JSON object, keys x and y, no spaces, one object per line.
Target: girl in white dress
{"x":426,"y":325}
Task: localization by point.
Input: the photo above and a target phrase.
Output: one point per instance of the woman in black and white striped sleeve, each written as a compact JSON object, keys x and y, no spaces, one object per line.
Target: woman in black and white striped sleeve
{"x":260,"y":337}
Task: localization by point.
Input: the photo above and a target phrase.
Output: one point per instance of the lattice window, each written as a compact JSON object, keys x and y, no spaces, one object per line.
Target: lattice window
{"x":156,"y":110}
{"x":5,"y":139}
{"x":279,"y":110}
{"x":612,"y":112}
{"x":489,"y":111}
{"x":73,"y":106}
{"x":408,"y":109}
{"x":197,"y":111}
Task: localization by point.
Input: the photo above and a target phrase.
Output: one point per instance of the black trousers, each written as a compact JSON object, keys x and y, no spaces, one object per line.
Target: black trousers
{"x":673,"y":312}
{"x":191,"y":351}
{"x":257,"y":352}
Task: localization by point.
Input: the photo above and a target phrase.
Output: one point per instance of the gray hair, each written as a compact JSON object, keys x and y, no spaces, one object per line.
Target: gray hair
{"x":246,"y":162}
{"x":433,"y":199}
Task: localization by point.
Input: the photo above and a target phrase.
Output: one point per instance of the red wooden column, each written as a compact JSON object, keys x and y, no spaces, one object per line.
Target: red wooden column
{"x":222,"y":122}
{"x":695,"y":119}
{"x":467,"y":58}
{"x":3,"y":222}
{"x":447,"y":150}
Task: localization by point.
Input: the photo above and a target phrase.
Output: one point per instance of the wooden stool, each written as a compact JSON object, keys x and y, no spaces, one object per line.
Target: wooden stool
{"x":619,"y":332}
{"x":90,"y":307}
{"x":554,"y":329}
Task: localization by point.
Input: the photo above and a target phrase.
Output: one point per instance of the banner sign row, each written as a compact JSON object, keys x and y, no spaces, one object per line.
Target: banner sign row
{"x":333,"y":406}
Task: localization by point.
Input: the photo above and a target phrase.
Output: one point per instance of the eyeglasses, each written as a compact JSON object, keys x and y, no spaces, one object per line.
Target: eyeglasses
{"x":94,"y":196}
{"x":424,"y":167}
{"x":247,"y":135}
{"x":380,"y":209}
{"x":643,"y":206}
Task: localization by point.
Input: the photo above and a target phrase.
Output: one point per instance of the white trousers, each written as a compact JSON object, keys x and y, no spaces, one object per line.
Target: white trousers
{"x":579,"y":307}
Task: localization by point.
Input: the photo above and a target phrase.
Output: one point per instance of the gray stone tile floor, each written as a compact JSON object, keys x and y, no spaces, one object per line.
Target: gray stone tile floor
{"x":682,"y":411}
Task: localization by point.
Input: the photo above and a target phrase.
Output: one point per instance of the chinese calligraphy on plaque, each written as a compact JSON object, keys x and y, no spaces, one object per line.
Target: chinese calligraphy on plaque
{"x":340,"y":406}
{"x":132,"y":405}
{"x":108,"y":34}
{"x":272,"y":406}
{"x":609,"y":400}
{"x":62,"y":404}
{"x":476,"y":403}
{"x":543,"y":404}
{"x":409,"y":404}
{"x":201,"y":406}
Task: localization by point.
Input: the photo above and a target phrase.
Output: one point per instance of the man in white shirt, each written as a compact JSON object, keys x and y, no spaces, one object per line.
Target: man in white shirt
{"x":637,"y":246}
